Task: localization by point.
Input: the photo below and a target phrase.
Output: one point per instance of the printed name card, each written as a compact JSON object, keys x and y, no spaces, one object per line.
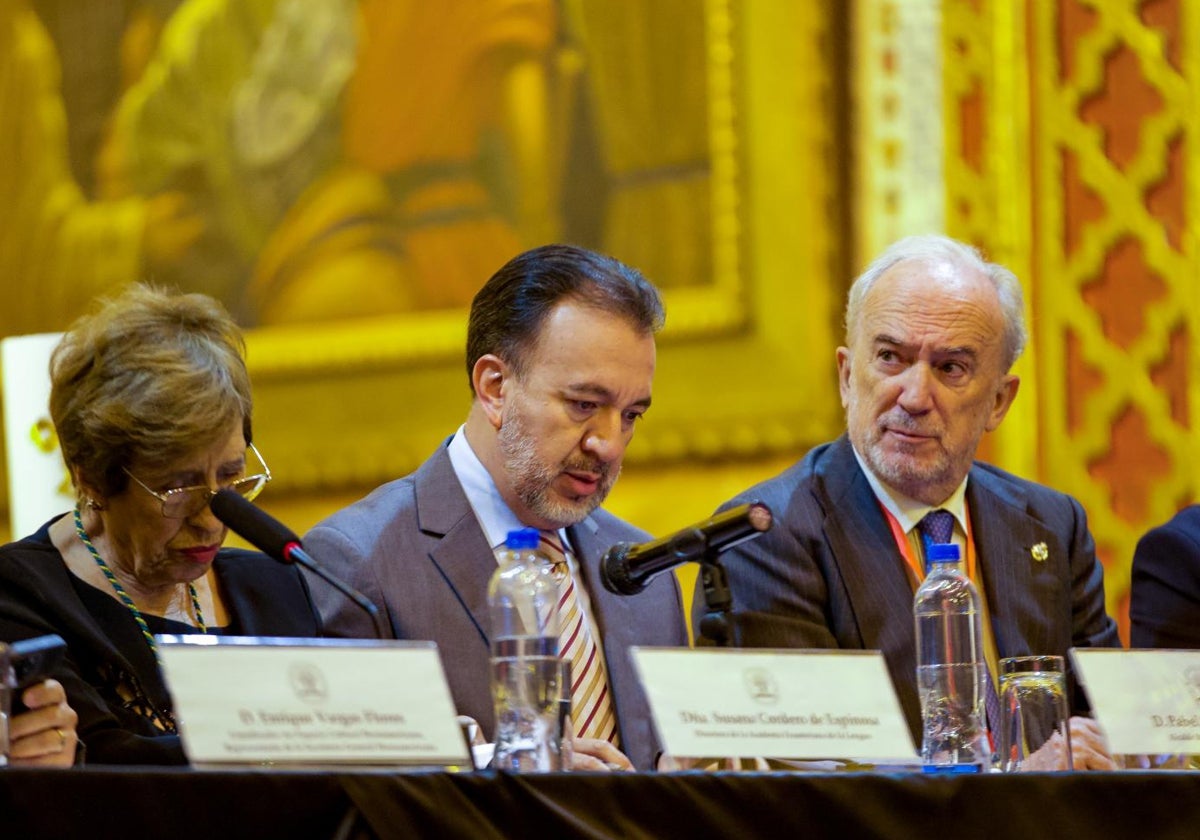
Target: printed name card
{"x":255,"y":700}
{"x":1146,"y":701}
{"x":774,"y":703}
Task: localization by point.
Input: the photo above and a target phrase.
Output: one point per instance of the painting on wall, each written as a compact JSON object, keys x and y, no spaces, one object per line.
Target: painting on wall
{"x":362,"y":166}
{"x":344,"y":174}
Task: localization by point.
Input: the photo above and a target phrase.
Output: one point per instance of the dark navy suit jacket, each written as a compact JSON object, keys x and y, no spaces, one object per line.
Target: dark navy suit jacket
{"x":829,"y":573}
{"x":1164,"y":605}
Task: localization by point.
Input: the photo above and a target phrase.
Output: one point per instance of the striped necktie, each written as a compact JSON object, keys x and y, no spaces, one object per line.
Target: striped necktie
{"x":592,"y":711}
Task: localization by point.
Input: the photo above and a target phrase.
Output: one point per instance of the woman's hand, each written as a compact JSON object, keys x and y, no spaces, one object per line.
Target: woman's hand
{"x":43,"y":736}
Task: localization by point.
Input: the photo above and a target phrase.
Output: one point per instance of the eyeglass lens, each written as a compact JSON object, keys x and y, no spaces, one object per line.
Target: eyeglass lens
{"x":191,"y":500}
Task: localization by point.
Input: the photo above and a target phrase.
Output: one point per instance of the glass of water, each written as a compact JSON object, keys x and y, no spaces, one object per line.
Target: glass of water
{"x":1035,"y":732}
{"x":566,"y":726}
{"x":528,"y":693}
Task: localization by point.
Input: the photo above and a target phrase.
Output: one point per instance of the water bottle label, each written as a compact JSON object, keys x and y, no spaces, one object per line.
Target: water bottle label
{"x":952,"y":769}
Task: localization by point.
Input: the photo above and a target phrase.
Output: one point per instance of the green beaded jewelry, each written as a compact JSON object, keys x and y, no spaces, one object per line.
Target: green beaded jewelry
{"x":123,"y":596}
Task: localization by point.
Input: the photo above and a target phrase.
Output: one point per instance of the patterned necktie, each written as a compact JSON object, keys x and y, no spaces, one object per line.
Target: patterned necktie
{"x":938,"y":527}
{"x":592,"y":710}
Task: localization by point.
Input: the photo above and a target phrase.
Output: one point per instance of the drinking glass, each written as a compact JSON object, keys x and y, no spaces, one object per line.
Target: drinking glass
{"x":528,"y":695}
{"x":1035,"y":732}
{"x":566,"y":727}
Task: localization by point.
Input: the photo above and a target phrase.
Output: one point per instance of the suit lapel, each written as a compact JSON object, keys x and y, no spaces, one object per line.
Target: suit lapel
{"x":1005,"y":535}
{"x":872,"y":571}
{"x":616,"y":621}
{"x":865,"y":553}
{"x":608,"y":610}
{"x":461,"y":553}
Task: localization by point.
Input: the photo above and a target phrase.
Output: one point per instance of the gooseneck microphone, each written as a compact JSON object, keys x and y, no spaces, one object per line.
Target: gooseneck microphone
{"x":626,"y":569}
{"x":276,"y":540}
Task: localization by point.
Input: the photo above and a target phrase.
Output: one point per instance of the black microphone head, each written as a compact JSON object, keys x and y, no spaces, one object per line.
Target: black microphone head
{"x":253,"y":524}
{"x":614,"y":572}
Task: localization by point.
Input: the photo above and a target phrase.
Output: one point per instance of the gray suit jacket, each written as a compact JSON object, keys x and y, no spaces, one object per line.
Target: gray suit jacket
{"x":415,"y":548}
{"x":829,"y":574}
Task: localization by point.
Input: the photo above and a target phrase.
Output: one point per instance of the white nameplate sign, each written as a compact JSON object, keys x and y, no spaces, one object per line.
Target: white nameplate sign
{"x":254,"y":700}
{"x":1146,"y":701}
{"x":774,"y":703}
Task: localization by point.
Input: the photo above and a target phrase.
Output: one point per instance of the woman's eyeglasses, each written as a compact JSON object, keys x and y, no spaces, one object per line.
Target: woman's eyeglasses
{"x":184,"y":502}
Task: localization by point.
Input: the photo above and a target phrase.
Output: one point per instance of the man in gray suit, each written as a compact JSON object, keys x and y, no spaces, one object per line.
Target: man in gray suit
{"x":560,"y":355}
{"x":932,"y":331}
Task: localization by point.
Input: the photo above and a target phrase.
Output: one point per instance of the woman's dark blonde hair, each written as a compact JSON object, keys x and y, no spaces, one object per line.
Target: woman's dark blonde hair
{"x":149,"y":377}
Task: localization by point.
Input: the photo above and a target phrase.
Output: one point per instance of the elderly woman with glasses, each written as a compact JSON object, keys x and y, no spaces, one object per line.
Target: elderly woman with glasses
{"x":151,"y":403}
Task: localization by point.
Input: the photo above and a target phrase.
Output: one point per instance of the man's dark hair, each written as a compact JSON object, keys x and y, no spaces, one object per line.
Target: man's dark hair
{"x":508,"y":312}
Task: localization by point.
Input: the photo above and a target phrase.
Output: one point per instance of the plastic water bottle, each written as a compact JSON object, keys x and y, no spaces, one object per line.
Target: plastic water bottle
{"x":523,"y":601}
{"x":951,"y":670}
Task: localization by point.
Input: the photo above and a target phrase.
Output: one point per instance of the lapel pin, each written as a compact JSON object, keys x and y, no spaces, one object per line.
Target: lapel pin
{"x":1040,"y":552}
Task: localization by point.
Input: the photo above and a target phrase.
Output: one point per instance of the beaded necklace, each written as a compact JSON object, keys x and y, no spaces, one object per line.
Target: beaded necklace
{"x":123,"y":596}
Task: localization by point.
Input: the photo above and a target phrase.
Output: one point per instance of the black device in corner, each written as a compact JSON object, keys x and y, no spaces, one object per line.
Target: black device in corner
{"x":33,"y":659}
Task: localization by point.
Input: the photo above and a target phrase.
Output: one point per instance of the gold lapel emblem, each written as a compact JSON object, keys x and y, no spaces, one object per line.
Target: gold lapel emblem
{"x":1040,"y":552}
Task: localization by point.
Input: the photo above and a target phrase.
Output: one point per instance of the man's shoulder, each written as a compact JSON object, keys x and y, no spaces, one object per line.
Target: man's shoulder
{"x":1186,"y":520}
{"x":609,"y":525}
{"x":1020,"y":490}
{"x":393,"y":499}
{"x":1164,"y":544}
{"x":834,"y":459}
{"x":384,"y":502}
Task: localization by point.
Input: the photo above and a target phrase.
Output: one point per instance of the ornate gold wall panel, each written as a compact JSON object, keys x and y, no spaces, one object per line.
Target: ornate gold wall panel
{"x":1114,"y":145}
{"x":746,"y":368}
{"x":898,"y":79}
{"x":985,"y":114}
{"x":1071,"y":155}
{"x":746,"y":361}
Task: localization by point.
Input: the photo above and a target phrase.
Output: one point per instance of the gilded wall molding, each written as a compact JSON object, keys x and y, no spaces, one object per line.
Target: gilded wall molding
{"x":746,"y":363}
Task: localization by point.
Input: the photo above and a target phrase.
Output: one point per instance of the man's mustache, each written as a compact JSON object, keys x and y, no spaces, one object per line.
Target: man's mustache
{"x":598,"y":468}
{"x":906,"y":423}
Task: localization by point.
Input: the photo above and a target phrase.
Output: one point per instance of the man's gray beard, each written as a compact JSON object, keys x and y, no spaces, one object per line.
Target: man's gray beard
{"x":531,"y":479}
{"x":903,"y":473}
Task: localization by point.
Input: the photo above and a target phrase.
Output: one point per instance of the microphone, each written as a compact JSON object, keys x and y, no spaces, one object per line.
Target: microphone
{"x":276,"y":540}
{"x":626,"y":569}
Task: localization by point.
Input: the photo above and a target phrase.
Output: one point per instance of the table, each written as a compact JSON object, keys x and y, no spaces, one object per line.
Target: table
{"x":99,"y":802}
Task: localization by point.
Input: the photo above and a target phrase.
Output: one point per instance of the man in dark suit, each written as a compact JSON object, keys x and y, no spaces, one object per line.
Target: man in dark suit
{"x":560,"y":354}
{"x":932,"y":331}
{"x":1164,"y":594}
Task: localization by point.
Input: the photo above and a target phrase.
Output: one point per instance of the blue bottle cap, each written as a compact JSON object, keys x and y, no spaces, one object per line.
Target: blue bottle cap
{"x":942,"y":553}
{"x":522,"y":539}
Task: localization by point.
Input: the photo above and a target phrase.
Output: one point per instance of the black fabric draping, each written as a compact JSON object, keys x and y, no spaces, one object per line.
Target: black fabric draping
{"x":159,"y":802}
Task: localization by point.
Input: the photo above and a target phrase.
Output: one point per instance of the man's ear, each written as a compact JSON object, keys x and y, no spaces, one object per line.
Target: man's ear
{"x":843,"y":368}
{"x":489,"y":378}
{"x":1006,"y":392}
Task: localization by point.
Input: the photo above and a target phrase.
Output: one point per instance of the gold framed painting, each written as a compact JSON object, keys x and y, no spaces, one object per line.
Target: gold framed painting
{"x":346,"y":195}
{"x":746,"y":359}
